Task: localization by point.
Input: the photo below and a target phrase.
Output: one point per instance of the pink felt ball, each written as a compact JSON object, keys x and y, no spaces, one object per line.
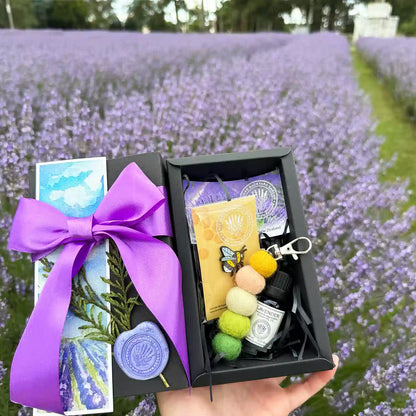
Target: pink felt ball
{"x":251,"y":281}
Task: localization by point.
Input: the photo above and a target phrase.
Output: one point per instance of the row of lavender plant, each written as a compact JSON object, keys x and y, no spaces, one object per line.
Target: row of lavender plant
{"x":6,"y":284}
{"x":58,"y":89}
{"x":4,"y":317}
{"x":260,"y":92}
{"x":394,"y":61}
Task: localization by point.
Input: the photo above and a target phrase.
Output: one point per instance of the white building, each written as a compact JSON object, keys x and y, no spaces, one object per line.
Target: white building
{"x":376,"y":21}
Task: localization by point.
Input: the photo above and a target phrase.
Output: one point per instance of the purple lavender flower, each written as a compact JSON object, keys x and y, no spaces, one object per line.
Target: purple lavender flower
{"x":25,"y":411}
{"x":394,"y":60}
{"x":2,"y":371}
{"x":147,"y":407}
{"x":4,"y":314}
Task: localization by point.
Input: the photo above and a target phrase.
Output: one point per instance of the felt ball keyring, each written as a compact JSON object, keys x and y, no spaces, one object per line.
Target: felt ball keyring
{"x":241,"y":300}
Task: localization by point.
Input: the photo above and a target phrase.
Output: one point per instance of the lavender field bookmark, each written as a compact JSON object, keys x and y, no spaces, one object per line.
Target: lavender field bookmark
{"x":76,"y":188}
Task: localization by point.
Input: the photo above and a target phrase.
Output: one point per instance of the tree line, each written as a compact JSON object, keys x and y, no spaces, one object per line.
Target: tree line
{"x":230,"y":16}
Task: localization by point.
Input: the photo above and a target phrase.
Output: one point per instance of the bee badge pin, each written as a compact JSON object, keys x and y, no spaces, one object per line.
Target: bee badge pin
{"x":232,"y":260}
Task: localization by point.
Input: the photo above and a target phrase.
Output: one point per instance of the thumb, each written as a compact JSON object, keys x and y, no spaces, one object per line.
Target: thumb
{"x":299,"y":393}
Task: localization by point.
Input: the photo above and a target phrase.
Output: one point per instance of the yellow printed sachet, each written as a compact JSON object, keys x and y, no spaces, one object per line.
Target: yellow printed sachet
{"x":226,"y":234}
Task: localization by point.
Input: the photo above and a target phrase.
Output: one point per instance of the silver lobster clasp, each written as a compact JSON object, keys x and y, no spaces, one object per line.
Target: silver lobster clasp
{"x":288,"y":249}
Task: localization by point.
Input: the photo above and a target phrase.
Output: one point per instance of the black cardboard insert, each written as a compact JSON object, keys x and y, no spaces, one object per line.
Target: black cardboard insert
{"x":229,"y":167}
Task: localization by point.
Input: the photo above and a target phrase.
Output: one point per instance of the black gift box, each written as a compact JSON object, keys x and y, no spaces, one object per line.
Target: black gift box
{"x":228,"y":166}
{"x":231,"y":166}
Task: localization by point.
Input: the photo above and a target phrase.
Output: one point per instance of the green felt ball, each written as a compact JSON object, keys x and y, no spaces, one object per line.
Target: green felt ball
{"x":230,"y":346}
{"x":233,"y":324}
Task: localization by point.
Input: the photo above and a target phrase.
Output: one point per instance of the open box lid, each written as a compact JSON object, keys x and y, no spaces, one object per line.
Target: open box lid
{"x":231,"y":166}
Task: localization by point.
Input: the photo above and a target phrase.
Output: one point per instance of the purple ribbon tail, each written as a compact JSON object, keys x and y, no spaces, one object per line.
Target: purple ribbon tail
{"x":34,"y":375}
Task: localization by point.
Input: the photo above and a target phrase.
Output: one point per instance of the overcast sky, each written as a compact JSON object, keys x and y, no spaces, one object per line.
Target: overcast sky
{"x":121,"y":6}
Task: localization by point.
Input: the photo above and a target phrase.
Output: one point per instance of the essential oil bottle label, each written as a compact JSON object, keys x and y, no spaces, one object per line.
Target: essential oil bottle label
{"x":264,"y":324}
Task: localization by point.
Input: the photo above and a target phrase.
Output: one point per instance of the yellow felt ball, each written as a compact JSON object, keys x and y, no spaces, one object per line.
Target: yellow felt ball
{"x":263,"y":262}
{"x":233,"y":324}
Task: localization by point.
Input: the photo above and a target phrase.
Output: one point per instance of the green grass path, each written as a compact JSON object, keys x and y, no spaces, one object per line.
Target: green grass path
{"x":393,"y":124}
{"x":400,"y":138}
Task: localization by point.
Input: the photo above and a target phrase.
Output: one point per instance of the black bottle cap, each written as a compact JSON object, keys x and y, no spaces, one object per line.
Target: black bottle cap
{"x":279,"y":287}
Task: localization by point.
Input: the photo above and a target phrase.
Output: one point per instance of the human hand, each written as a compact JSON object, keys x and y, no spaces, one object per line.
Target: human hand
{"x":257,"y":397}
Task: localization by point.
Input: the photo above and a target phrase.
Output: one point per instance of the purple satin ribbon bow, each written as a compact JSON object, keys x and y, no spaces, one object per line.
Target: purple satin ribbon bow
{"x":133,"y":211}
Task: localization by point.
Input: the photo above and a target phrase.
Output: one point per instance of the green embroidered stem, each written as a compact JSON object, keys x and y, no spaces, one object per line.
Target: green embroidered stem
{"x":165,"y":382}
{"x":117,"y":303}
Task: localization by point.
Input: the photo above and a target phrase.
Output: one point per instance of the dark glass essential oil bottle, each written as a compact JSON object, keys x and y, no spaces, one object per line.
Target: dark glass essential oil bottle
{"x":272,"y":305}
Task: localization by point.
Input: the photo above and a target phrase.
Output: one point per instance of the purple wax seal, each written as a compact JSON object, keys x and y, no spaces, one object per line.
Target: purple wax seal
{"x":142,"y":353}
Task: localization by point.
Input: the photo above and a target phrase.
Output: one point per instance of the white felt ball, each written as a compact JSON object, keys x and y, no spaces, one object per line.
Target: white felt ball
{"x":241,"y":302}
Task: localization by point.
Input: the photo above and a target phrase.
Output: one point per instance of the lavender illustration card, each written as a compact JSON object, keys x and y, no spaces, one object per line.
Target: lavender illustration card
{"x":76,"y":188}
{"x":267,"y":189}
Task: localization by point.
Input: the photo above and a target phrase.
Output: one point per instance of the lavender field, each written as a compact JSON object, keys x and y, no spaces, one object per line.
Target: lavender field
{"x":394,"y":61}
{"x":65,"y":95}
